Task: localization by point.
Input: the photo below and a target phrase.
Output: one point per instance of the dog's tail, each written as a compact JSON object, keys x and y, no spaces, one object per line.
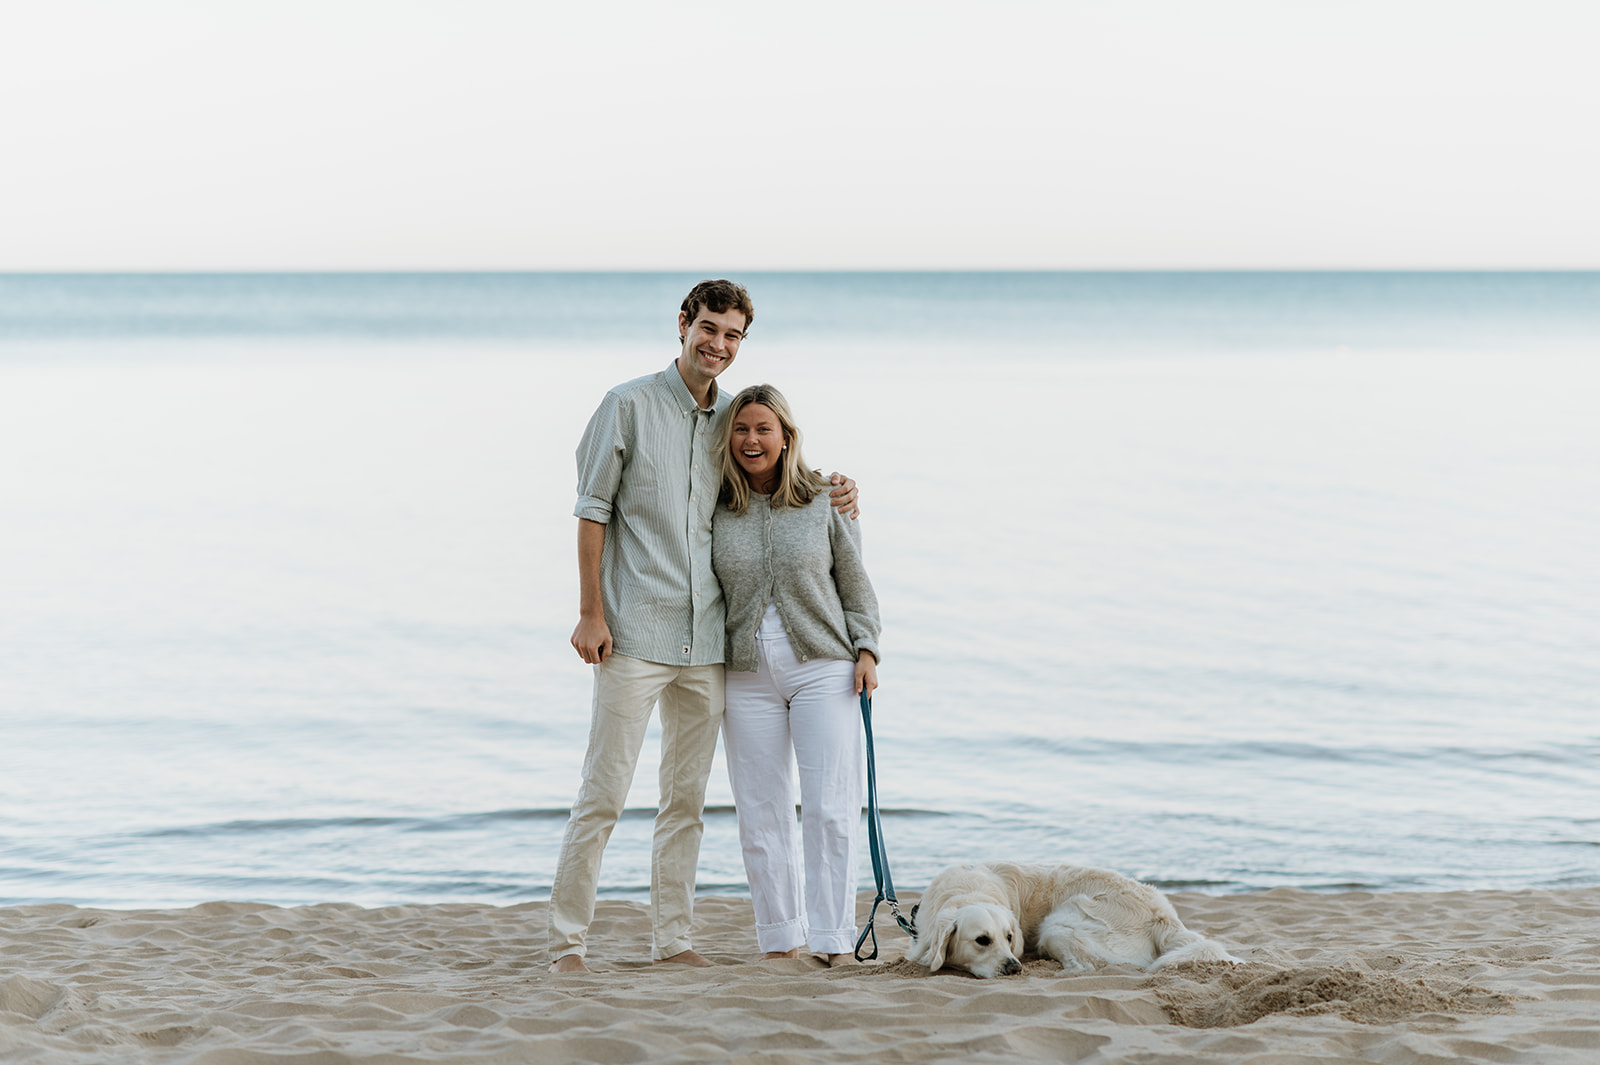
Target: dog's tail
{"x":1178,"y":945}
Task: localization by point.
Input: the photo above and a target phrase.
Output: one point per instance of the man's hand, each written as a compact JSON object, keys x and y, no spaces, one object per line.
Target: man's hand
{"x":845,"y":495}
{"x":866,"y":673}
{"x":592,"y":640}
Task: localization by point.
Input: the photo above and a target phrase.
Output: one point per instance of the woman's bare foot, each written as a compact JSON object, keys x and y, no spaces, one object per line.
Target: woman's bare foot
{"x":792,"y":952}
{"x":569,"y":963}
{"x":685,"y":957}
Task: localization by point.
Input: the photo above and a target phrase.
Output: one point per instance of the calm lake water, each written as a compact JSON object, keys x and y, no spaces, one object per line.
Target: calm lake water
{"x":1226,"y":581}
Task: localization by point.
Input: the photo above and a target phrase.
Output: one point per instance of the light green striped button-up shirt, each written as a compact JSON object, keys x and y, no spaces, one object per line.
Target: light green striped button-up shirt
{"x":646,"y":471}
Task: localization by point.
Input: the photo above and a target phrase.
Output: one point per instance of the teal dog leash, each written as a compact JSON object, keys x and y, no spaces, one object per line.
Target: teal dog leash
{"x":880,"y":857}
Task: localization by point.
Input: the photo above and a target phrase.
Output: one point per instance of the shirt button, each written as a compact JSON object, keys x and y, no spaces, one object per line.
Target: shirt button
{"x":685,"y":648}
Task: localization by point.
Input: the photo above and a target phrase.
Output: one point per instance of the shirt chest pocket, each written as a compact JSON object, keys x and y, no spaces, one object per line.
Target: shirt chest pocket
{"x":665,"y":464}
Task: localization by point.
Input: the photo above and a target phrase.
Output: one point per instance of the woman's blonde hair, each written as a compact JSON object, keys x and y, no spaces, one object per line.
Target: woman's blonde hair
{"x":797,"y":485}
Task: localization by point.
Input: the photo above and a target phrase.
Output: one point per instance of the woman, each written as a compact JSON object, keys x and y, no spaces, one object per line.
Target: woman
{"x":802,"y":645}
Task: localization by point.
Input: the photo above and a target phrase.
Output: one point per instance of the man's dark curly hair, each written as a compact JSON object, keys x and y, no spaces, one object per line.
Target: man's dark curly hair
{"x":719,"y":297}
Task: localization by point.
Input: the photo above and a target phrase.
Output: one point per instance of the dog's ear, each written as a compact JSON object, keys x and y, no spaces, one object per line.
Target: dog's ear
{"x":942,"y":940}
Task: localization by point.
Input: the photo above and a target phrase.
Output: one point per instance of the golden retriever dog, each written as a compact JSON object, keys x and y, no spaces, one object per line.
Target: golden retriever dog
{"x":983,"y":918}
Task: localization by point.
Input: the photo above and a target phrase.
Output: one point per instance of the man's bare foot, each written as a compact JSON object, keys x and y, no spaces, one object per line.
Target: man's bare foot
{"x":792,"y":952}
{"x":570,"y":963}
{"x":685,"y":957}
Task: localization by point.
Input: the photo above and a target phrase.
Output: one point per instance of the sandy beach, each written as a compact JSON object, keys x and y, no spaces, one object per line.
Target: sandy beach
{"x":1396,"y":977}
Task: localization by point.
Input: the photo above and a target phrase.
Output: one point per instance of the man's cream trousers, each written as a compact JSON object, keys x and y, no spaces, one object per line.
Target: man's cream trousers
{"x":625,"y":691}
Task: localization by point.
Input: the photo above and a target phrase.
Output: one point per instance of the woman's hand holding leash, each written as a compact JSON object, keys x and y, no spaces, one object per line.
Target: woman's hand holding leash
{"x":866,"y":674}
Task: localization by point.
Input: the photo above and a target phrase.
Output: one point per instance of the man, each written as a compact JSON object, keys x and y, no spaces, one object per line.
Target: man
{"x":650,"y":618}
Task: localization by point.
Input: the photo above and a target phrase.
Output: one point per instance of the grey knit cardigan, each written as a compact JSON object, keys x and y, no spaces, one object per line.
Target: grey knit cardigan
{"x":807,"y":560}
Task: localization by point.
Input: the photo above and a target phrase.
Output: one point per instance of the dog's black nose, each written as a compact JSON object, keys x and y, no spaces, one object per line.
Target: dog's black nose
{"x":1011,"y":968}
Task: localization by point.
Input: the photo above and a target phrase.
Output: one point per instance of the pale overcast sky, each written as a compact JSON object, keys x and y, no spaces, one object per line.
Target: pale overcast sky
{"x":489,"y":134}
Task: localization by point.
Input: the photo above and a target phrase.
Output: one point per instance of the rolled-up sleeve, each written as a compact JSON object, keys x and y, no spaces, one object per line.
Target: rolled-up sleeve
{"x":860,"y":602}
{"x":602,"y":454}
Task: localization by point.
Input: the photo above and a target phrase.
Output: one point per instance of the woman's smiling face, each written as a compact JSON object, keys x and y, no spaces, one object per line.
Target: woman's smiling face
{"x":757,"y":445}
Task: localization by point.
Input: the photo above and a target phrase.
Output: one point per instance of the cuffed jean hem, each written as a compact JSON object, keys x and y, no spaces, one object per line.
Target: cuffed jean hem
{"x":788,"y":935}
{"x":831,"y":941}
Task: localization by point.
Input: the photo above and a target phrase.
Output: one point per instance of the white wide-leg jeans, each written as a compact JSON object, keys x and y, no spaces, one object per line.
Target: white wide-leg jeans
{"x":790,"y":712}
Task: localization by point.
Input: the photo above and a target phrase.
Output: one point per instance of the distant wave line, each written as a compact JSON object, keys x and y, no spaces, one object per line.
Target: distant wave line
{"x":445,"y":823}
{"x":1237,"y":751}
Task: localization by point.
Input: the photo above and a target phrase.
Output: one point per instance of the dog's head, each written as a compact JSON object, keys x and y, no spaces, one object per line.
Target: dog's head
{"x":982,"y":938}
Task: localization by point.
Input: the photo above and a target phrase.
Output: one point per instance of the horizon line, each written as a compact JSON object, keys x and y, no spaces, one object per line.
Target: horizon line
{"x":768,"y":271}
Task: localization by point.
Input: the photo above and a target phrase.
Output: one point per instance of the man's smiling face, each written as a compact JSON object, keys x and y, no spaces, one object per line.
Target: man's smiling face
{"x":710,"y":343}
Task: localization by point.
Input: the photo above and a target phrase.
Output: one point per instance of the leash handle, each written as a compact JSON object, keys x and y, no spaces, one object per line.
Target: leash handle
{"x":880,"y":857}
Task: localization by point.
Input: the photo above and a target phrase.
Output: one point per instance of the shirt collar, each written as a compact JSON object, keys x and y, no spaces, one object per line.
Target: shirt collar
{"x":681,"y":393}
